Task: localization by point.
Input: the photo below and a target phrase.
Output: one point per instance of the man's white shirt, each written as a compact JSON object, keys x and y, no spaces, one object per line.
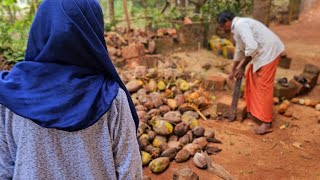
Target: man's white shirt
{"x":256,"y":40}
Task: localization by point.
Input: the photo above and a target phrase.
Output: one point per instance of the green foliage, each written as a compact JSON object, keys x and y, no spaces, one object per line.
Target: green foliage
{"x":211,"y":9}
{"x":14,"y":28}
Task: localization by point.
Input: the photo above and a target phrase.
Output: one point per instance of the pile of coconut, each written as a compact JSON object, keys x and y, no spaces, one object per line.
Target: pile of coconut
{"x":169,"y":102}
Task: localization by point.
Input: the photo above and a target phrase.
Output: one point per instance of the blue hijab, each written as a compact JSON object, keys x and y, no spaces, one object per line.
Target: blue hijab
{"x":67,"y":80}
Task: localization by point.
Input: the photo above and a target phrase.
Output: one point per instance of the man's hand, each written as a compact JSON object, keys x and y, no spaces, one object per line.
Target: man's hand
{"x":239,"y":72}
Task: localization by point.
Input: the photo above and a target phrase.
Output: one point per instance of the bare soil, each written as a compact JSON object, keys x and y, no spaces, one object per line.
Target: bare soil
{"x":291,"y":153}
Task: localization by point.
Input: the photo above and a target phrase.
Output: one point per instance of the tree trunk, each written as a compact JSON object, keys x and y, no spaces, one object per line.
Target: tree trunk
{"x":261,"y":10}
{"x":183,"y":3}
{"x":111,"y":10}
{"x":125,"y":7}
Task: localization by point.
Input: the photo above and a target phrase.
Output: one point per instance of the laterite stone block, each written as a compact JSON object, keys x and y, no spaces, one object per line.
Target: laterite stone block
{"x":285,"y":92}
{"x":215,"y":83}
{"x":285,"y":62}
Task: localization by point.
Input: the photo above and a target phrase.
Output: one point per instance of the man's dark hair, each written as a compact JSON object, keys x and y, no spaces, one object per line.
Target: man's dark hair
{"x":224,"y":16}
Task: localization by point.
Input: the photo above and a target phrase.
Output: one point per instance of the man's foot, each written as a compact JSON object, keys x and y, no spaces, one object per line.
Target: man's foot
{"x":263,"y":129}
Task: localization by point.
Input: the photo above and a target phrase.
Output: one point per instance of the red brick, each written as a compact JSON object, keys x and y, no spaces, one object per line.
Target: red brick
{"x":215,"y":83}
{"x":133,"y":51}
{"x":311,"y":78}
{"x":284,"y":62}
{"x":224,"y":104}
{"x":312,"y":69}
{"x":286,"y":92}
{"x":299,"y":88}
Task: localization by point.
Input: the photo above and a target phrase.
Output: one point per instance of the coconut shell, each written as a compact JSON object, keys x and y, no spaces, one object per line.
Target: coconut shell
{"x":192,"y":148}
{"x":200,"y":161}
{"x":190,"y":135}
{"x":212,"y":150}
{"x":161,"y":85}
{"x":175,"y":144}
{"x":156,"y":99}
{"x":152,"y":85}
{"x":164,"y":109}
{"x":214,"y":140}
{"x":209,"y":134}
{"x":141,"y":108}
{"x":151,"y":135}
{"x":148,"y":104}
{"x":198,"y":131}
{"x":182,"y":156}
{"x":153,"y":112}
{"x":161,"y":127}
{"x":201,"y":141}
{"x":159,"y":140}
{"x":172,"y":103}
{"x":154,"y":152}
{"x":192,"y":114}
{"x":187,"y":118}
{"x":159,"y":165}
{"x":180,"y":99}
{"x":143,"y":140}
{"x":194,"y":123}
{"x":145,"y":158}
{"x":172,"y":117}
{"x":170,"y":153}
{"x":134,"y":85}
{"x":184,"y":140}
{"x":181,"y":129}
{"x":173,"y":138}
{"x":318,"y":107}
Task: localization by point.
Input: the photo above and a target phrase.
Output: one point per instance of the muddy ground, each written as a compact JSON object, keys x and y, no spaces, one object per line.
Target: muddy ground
{"x":276,"y":155}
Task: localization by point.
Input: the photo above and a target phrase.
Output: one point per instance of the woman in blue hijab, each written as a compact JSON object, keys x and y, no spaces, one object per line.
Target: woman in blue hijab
{"x":65,"y":113}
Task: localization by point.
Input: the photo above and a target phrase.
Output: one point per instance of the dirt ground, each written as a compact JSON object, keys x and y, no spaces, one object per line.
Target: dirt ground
{"x":271,"y":156}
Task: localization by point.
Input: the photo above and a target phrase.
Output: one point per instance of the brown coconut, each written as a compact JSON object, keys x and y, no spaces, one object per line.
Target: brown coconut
{"x":182,"y":156}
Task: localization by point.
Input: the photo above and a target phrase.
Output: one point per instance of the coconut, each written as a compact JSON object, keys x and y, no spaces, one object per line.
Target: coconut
{"x":161,"y":85}
{"x":182,"y":156}
{"x":159,"y":140}
{"x":194,"y":123}
{"x":172,"y":117}
{"x":148,"y":104}
{"x":201,"y":141}
{"x":184,"y":140}
{"x":211,"y":149}
{"x":161,"y":127}
{"x":164,"y":109}
{"x":159,"y":165}
{"x":192,"y":148}
{"x":143,"y":140}
{"x":170,"y":153}
{"x":175,"y":144}
{"x":155,"y":152}
{"x":192,"y":114}
{"x":151,"y":135}
{"x":140,"y":108}
{"x":156,"y":99}
{"x":134,"y":85}
{"x":181,"y":129}
{"x":318,"y":107}
{"x":209,"y":133}
{"x":200,"y":161}
{"x":172,"y":103}
{"x":152,"y":85}
{"x":180,"y":99}
{"x":198,"y":131}
{"x":295,"y":100}
{"x":145,"y":158}
{"x":173,"y":138}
